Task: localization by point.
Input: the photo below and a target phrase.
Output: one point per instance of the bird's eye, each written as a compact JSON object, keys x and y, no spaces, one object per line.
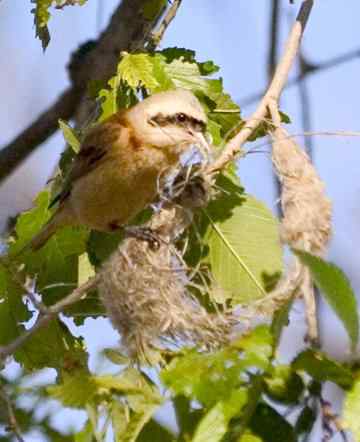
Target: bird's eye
{"x":181,"y":118}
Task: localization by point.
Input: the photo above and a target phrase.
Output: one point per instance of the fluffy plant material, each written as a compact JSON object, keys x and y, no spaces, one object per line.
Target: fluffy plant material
{"x":306,"y":222}
{"x":145,"y":288}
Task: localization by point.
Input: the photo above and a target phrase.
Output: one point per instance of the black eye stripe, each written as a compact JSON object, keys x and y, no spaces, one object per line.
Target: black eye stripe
{"x":178,"y":118}
{"x":181,"y":118}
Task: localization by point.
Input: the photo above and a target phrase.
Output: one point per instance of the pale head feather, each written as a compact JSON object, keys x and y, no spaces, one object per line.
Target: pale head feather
{"x":167,"y":103}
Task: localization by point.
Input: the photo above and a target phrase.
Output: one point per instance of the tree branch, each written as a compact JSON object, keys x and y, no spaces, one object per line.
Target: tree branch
{"x":51,"y":312}
{"x":13,"y":423}
{"x":127,"y":30}
{"x":157,"y":36}
{"x":46,"y":125}
{"x":273,"y":93}
{"x":46,"y":314}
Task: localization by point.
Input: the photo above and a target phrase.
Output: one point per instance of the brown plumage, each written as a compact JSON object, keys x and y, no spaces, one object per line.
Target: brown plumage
{"x":115,"y":175}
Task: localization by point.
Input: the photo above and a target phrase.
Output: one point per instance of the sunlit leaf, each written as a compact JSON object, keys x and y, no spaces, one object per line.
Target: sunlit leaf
{"x":215,"y":423}
{"x":351,"y":410}
{"x":322,"y":368}
{"x":284,"y":385}
{"x":244,"y":244}
{"x":70,"y":136}
{"x":211,"y":377}
{"x":337,"y":290}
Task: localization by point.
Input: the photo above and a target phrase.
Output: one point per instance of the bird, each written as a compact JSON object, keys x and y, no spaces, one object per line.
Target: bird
{"x":115,"y":174}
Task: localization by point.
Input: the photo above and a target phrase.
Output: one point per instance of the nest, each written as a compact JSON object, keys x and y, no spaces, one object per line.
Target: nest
{"x":306,"y":223}
{"x":145,"y":288}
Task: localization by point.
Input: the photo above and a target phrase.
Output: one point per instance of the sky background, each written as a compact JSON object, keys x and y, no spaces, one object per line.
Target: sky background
{"x":235,"y":34}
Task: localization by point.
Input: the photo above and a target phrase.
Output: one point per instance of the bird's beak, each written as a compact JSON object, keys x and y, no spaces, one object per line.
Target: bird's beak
{"x":202,"y":144}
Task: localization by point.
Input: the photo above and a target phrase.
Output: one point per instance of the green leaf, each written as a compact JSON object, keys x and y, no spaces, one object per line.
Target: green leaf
{"x":119,"y":419}
{"x":186,"y":75}
{"x":52,"y":346}
{"x":321,"y":368}
{"x":226,"y":112}
{"x":129,"y":426}
{"x":116,"y":96}
{"x":137,"y":423}
{"x":13,"y":311}
{"x":70,"y":136}
{"x":101,"y":245}
{"x":153,"y":431}
{"x":281,"y":320}
{"x":351,"y":410}
{"x":30,"y":222}
{"x":270,"y":425}
{"x":249,"y":437}
{"x":211,"y":377}
{"x":337,"y":290}
{"x":187,"y":418}
{"x":174,"y":53}
{"x":257,"y":346}
{"x":56,"y":263}
{"x":284,"y":385}
{"x":76,"y":390}
{"x":41,"y":18}
{"x":86,"y":269}
{"x":86,"y":434}
{"x":116,"y":357}
{"x":244,"y":244}
{"x":214,"y":425}
{"x":137,"y":70}
{"x":152,"y":8}
{"x":305,"y":421}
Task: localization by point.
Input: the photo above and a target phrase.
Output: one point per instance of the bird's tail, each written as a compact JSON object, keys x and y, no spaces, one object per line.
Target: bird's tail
{"x":60,"y":218}
{"x":44,"y":235}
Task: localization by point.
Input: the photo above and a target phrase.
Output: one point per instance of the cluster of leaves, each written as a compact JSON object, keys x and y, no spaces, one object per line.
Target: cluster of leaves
{"x":234,"y":393}
{"x":42,"y":16}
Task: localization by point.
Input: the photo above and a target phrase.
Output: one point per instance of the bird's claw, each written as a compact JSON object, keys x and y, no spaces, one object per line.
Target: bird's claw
{"x":144,"y":234}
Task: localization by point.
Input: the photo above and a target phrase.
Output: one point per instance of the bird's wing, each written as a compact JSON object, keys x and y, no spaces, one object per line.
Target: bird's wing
{"x":95,"y":149}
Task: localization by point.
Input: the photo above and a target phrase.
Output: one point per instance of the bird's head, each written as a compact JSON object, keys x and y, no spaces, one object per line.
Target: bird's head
{"x":169,"y":119}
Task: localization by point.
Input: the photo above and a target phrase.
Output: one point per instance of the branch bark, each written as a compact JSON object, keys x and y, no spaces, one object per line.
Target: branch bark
{"x":127,"y":30}
{"x":46,"y":125}
{"x":135,"y":41}
{"x":273,"y":92}
{"x":51,"y":313}
{"x":13,"y":423}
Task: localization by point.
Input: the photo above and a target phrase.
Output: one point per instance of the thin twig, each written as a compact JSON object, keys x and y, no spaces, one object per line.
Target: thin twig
{"x":50,"y":314}
{"x":327,"y":133}
{"x":273,"y":93}
{"x":272,"y":61}
{"x":157,"y":35}
{"x":13,"y":423}
{"x":305,"y":105}
{"x":310,"y":69}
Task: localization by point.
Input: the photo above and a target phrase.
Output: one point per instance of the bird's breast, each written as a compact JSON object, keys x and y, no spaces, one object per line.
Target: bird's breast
{"x":119,"y":188}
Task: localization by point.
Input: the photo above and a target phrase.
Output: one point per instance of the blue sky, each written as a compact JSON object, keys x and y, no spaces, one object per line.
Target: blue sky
{"x":234,"y":34}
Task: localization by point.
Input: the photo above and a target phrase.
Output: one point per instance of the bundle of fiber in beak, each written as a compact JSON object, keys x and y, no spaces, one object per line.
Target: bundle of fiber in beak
{"x":145,"y":289}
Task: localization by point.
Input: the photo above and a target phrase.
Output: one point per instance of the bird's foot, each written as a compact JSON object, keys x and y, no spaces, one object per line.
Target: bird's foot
{"x":144,"y":234}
